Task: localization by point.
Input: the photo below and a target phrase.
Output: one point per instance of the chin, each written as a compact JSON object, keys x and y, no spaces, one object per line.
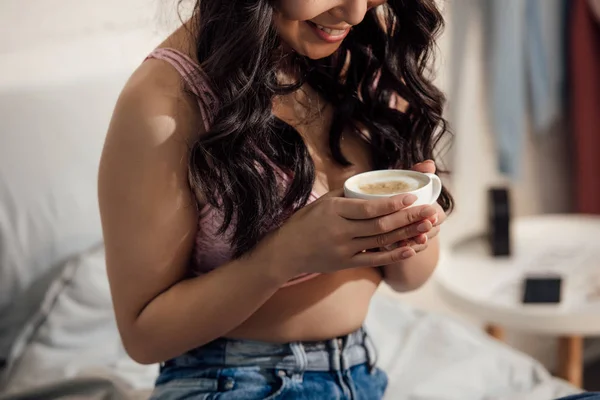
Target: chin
{"x":319,"y":53}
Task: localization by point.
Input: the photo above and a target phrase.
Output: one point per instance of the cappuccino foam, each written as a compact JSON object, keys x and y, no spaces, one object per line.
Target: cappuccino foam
{"x":392,"y":186}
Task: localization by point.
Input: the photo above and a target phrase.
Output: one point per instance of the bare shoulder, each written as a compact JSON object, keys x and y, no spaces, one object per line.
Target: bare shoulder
{"x":155,"y":97}
{"x":153,"y":125}
{"x":149,"y":216}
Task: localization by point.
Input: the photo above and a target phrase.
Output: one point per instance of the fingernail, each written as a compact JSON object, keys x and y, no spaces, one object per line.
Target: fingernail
{"x":409,"y":199}
{"x":427,"y":212}
{"x":424,"y":227}
{"x":407,"y":254}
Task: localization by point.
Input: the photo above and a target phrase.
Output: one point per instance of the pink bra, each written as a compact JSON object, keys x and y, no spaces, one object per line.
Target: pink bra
{"x":211,"y":250}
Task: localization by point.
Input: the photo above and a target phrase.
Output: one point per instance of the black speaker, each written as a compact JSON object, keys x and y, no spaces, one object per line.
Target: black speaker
{"x":499,"y":221}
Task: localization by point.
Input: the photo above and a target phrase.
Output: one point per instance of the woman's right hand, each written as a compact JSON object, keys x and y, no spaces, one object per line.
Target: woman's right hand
{"x":333,"y":233}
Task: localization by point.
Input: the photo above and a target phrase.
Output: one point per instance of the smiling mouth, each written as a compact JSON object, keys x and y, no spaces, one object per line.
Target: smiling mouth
{"x":330,"y":35}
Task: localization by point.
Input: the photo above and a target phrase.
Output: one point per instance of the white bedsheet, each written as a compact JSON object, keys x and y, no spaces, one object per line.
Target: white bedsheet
{"x":427,"y":356}
{"x":433,"y":357}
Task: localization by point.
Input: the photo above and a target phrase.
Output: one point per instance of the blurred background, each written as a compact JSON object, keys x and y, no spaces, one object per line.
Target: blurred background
{"x":523,"y":82}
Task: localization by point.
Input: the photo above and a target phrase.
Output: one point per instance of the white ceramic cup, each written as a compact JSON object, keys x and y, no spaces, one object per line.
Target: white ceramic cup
{"x":426,"y":194}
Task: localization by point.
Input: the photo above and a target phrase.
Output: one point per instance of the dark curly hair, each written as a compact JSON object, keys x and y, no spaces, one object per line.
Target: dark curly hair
{"x":233,"y":165}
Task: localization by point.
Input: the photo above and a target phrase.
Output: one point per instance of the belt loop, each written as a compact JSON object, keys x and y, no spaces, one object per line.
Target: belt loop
{"x":335,"y":353}
{"x":371,"y":351}
{"x":301,"y":360}
{"x":342,"y":346}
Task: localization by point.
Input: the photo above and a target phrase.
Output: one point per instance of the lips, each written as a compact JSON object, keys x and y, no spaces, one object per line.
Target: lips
{"x":332,"y":32}
{"x":330,"y":35}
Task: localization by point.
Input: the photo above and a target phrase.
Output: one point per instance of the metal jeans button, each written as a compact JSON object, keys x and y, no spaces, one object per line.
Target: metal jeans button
{"x":281,"y":373}
{"x":228,"y":384}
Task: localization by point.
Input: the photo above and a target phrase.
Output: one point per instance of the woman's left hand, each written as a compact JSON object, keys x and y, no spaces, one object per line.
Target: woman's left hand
{"x":419,"y":243}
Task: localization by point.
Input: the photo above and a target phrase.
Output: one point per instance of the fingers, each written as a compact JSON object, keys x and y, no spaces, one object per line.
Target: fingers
{"x":392,"y":255}
{"x":419,"y":244}
{"x":356,"y":209}
{"x":417,"y":230}
{"x":427,"y":166}
{"x":409,"y":252}
{"x":381,"y":258}
{"x":433,"y":232}
{"x":333,"y":193}
{"x":391,"y":222}
{"x":422,"y":239}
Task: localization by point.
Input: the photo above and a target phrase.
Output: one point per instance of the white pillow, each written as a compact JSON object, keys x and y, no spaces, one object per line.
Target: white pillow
{"x":49,"y":152}
{"x":55,"y":106}
{"x":74,"y":332}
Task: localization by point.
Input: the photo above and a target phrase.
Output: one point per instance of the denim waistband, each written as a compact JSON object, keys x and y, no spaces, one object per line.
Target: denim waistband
{"x":330,"y":355}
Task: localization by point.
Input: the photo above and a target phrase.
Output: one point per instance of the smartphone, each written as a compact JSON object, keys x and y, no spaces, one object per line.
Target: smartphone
{"x":542,"y":290}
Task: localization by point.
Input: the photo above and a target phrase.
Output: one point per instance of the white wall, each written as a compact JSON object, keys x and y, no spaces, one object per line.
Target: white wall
{"x":66,"y":40}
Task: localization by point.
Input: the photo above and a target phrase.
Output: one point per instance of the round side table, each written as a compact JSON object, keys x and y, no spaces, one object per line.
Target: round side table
{"x":491,"y":288}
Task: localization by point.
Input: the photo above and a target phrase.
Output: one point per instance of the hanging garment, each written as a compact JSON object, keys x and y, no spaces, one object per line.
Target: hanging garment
{"x":525,"y":59}
{"x":584,"y":71}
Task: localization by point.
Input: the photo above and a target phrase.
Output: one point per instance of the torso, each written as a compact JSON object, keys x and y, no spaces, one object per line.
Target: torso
{"x":341,"y":299}
{"x":297,"y":312}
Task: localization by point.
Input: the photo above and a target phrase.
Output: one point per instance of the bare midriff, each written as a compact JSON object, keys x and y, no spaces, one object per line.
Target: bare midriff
{"x":321,"y":308}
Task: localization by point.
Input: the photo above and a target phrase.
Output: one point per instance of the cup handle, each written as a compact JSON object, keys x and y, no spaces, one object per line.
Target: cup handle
{"x":437,"y":187}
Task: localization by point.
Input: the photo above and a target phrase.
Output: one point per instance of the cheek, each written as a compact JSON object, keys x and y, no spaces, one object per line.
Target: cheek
{"x":303,"y":10}
{"x":288,"y":30}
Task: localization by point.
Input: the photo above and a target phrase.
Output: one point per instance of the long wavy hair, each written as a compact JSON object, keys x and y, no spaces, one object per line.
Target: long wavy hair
{"x":235,"y":166}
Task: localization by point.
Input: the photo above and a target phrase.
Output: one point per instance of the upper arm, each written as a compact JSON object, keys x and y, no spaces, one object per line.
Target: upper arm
{"x":149,"y":215}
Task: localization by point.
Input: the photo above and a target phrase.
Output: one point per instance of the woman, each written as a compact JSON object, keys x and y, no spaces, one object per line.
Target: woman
{"x":233,"y":258}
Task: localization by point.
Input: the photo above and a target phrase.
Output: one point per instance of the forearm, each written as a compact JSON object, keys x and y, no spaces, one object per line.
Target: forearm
{"x":414,"y":272}
{"x":199,"y":310}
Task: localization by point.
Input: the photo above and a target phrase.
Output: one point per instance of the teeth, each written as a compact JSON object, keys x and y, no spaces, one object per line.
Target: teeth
{"x":332,"y":32}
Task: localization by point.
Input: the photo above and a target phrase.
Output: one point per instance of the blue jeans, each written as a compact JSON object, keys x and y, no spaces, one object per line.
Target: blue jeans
{"x":226,"y":369}
{"x":583,"y":396}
